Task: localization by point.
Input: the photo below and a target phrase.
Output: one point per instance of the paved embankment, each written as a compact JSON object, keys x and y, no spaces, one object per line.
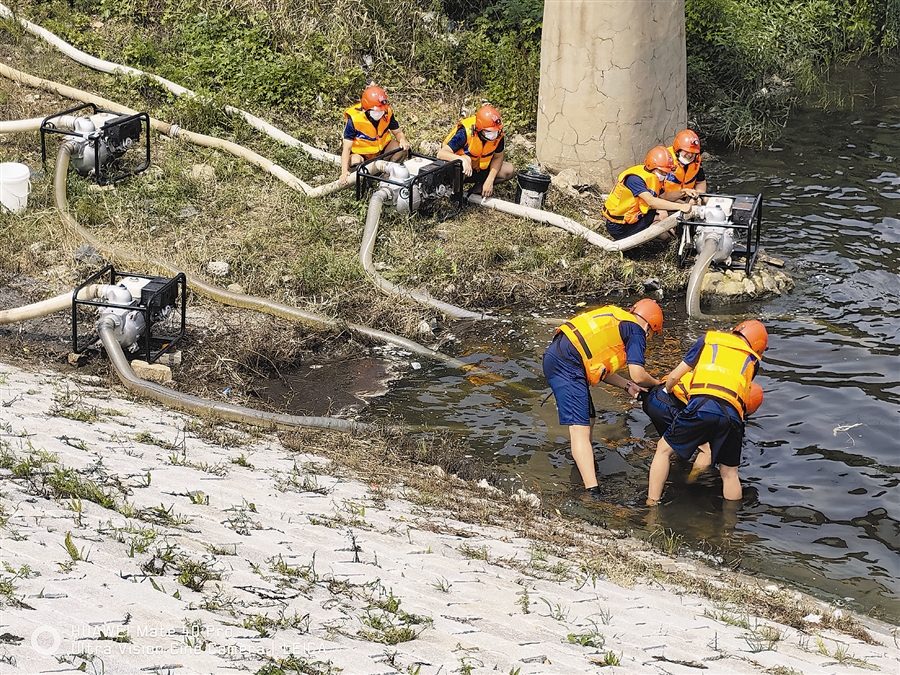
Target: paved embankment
{"x":222,"y":552}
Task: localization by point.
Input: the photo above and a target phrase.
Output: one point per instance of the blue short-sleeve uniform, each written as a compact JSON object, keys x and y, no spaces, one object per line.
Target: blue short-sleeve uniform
{"x":565,"y":373}
{"x":707,"y":419}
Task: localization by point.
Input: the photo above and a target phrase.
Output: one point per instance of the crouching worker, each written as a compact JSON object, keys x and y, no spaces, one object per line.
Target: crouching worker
{"x":371,"y":130}
{"x":723,"y":366}
{"x":478,"y":143}
{"x":588,"y":349}
{"x":633,"y":204}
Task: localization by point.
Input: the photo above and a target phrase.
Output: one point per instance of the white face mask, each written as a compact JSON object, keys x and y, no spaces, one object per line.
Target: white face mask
{"x":376,"y":114}
{"x":683,"y":160}
{"x":490,"y":135}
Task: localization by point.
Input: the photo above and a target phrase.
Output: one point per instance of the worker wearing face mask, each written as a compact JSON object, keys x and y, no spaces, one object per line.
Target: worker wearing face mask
{"x":371,"y":130}
{"x":477,"y":142}
{"x":688,"y":174}
{"x":632,"y":205}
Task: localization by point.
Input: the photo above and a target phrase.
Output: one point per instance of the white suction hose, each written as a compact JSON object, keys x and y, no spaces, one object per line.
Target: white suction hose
{"x":49,"y":306}
{"x":113,"y":68}
{"x":575,"y":228}
{"x":695,"y":283}
{"x":365,"y":254}
{"x":201,"y":406}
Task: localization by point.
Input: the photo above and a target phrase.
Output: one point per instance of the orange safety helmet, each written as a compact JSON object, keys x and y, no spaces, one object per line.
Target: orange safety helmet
{"x":754,"y":333}
{"x":650,"y":312}
{"x":659,"y":158}
{"x":488,"y":119}
{"x":374,"y":98}
{"x":688,"y":141}
{"x":754,"y":398}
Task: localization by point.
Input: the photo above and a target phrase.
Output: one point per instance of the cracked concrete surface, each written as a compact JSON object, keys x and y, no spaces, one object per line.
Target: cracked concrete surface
{"x":613,"y":84}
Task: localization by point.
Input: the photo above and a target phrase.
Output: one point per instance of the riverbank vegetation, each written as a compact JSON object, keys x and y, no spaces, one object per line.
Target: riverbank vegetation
{"x":747,"y":62}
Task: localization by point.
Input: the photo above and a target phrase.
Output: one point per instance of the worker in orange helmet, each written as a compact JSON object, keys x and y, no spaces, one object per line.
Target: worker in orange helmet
{"x":723,"y":366}
{"x":632,"y":205}
{"x":370,"y":130}
{"x":588,"y":349}
{"x":478,"y":143}
{"x":688,"y":174}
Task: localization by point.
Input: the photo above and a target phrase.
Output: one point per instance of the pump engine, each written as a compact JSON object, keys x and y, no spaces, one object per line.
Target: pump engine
{"x":143,"y":310}
{"x":419,"y":181}
{"x":100,"y":140}
{"x":734,"y":221}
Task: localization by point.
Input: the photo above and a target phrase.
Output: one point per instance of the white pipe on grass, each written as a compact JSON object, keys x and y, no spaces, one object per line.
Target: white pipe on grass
{"x":365,"y":255}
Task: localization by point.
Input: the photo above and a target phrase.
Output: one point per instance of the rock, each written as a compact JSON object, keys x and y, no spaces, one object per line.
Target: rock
{"x":88,"y":255}
{"x":203,"y":172}
{"x":651,"y":284}
{"x":187,"y":212}
{"x":429,"y":148}
{"x":170,"y":358}
{"x":218,"y":268}
{"x":520,"y":141}
{"x":565,"y":181}
{"x":154,"y":372}
{"x":527,"y":499}
{"x":77,"y":360}
{"x":235,"y":288}
{"x":424,"y":328}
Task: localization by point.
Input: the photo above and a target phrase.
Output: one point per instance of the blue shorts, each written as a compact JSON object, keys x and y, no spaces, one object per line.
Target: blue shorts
{"x":707,"y":419}
{"x":661,"y":407}
{"x":564,"y":371}
{"x":622,"y":230}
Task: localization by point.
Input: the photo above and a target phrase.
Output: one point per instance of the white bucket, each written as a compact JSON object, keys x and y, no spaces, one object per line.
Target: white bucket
{"x":14,"y":185}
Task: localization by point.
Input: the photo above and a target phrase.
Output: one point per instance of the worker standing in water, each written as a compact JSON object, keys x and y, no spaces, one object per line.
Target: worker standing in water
{"x":723,"y":366}
{"x":588,"y":349}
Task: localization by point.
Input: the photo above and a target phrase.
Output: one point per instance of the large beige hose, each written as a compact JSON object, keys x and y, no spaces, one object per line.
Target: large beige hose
{"x":49,"y":306}
{"x":575,"y":228}
{"x":365,"y":254}
{"x":200,"y":406}
{"x":220,"y":294}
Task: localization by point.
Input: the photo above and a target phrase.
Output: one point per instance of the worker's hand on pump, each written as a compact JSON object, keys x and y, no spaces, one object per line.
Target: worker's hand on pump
{"x":404,"y":143}
{"x":466,"y":162}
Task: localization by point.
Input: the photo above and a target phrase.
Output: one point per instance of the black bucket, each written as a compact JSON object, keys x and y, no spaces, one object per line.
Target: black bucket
{"x":532,"y":188}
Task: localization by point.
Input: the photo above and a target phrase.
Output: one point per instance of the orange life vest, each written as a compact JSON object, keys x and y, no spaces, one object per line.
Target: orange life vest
{"x":481,"y":152}
{"x":725,"y":369}
{"x":683,"y":176}
{"x":622,"y":206}
{"x":595,"y":335}
{"x":682,"y":388}
{"x":370,"y":139}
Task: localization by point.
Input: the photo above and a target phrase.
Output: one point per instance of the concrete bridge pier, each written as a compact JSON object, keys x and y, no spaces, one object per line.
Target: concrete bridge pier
{"x":613,"y":84}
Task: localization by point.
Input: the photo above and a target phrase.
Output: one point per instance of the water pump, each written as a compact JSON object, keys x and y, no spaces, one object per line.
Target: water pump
{"x":419,"y":181}
{"x":100,"y":140}
{"x":733,"y":221}
{"x":146,"y":313}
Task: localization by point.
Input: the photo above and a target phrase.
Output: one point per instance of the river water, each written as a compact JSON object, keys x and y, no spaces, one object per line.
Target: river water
{"x":821,"y":461}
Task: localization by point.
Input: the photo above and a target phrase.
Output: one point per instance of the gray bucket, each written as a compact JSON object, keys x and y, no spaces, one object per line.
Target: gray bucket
{"x":532,"y":188}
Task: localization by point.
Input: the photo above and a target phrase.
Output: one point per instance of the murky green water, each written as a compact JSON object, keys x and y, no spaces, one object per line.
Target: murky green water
{"x":821,"y":462}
